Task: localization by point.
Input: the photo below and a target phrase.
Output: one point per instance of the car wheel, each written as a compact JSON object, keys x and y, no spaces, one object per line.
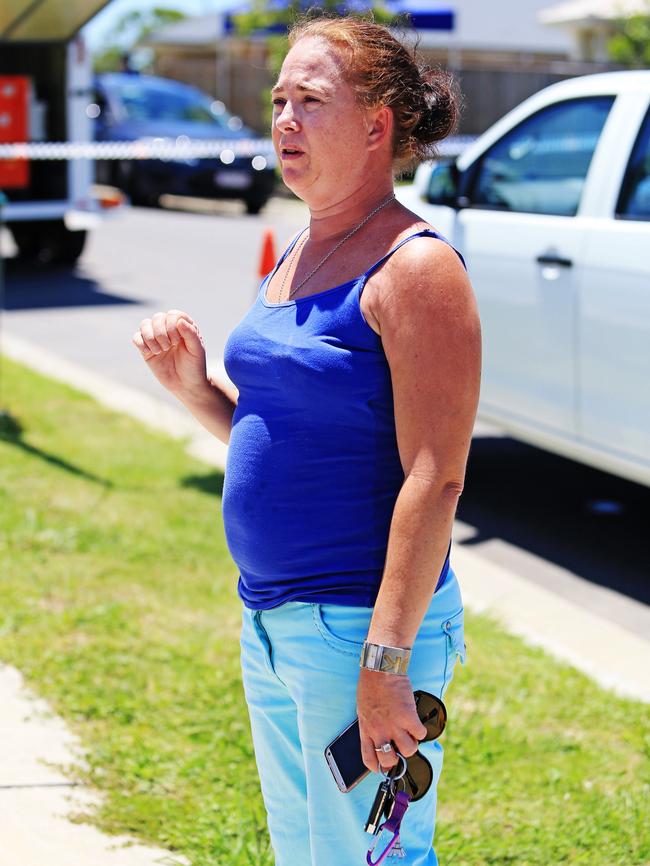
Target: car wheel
{"x":254,"y":205}
{"x":142,"y":196}
{"x":140,"y":192}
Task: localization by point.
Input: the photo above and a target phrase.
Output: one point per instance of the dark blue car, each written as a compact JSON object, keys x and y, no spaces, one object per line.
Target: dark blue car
{"x":131,"y":107}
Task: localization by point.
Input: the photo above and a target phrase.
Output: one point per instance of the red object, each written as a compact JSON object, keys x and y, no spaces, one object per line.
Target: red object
{"x":267,"y":257}
{"x":14,"y":127}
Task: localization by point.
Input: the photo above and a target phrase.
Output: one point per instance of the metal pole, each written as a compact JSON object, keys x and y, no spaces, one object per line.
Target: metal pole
{"x":3,"y":411}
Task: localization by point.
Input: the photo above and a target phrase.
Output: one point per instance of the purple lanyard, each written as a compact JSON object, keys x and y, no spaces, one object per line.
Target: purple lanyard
{"x":392,"y":824}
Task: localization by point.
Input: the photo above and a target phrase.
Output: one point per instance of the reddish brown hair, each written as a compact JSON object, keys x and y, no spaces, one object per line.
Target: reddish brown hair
{"x":425,"y":101}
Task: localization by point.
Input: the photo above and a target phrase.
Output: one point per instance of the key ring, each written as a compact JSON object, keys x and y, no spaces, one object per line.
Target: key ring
{"x":388,"y":774}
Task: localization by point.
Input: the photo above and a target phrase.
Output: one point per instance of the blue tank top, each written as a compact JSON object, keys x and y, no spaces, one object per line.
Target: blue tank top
{"x":313,"y":467}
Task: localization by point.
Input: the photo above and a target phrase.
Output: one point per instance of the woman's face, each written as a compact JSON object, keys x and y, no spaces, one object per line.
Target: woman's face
{"x":320,"y":133}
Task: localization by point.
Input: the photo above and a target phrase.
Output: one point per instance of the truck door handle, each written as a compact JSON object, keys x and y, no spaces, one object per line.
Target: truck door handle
{"x":554,"y":260}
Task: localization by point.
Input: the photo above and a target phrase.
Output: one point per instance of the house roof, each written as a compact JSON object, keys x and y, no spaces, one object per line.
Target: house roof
{"x":576,"y":12}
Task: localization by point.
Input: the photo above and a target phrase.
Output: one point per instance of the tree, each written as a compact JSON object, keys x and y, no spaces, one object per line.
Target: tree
{"x":630,"y":45}
{"x":128,"y":32}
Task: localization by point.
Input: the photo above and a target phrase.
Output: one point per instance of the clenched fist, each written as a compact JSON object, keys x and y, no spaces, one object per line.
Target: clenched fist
{"x":172,"y":346}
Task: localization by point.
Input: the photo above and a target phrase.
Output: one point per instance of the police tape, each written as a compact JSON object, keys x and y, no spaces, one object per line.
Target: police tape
{"x":167,"y":149}
{"x":180,"y":149}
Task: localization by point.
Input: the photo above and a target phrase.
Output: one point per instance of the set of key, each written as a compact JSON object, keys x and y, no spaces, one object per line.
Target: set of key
{"x":387,"y":812}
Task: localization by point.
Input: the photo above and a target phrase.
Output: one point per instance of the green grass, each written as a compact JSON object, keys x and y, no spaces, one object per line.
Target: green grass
{"x":118,"y":603}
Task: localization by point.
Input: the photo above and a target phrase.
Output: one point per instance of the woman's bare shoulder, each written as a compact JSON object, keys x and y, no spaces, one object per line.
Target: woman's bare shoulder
{"x":425,"y":289}
{"x":422,"y":257}
{"x":406,"y":224}
{"x":417,"y":268}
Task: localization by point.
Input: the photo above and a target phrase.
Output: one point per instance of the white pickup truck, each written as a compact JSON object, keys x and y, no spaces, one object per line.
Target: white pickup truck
{"x":551,"y":209}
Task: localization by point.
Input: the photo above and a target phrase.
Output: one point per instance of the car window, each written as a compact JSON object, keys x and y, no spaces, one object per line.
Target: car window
{"x":634,"y":202}
{"x":143,"y":102}
{"x":541,"y":165}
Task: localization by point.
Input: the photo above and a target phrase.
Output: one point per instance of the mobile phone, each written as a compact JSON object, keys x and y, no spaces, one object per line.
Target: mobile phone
{"x":343,"y":756}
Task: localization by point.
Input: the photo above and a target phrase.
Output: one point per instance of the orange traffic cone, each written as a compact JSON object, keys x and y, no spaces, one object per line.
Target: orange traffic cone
{"x":267,"y":257}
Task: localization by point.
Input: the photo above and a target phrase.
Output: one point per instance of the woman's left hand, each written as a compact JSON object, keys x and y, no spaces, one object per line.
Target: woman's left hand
{"x":387,"y":714}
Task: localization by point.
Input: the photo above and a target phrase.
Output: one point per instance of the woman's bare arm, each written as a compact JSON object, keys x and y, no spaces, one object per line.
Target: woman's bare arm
{"x":432,"y":339}
{"x":213,"y":408}
{"x":172,"y":346}
{"x":431,"y":334}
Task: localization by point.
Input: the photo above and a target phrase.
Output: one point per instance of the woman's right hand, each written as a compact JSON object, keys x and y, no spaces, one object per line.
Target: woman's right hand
{"x":172,"y":346}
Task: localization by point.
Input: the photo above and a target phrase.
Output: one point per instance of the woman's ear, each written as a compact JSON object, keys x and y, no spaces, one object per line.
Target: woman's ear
{"x":380,"y":127}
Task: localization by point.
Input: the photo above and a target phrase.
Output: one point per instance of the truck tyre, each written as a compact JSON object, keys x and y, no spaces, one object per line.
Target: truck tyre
{"x":26,"y":239}
{"x":48,"y":242}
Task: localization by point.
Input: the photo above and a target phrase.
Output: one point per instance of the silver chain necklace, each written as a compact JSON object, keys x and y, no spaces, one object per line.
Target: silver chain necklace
{"x":331,"y":252}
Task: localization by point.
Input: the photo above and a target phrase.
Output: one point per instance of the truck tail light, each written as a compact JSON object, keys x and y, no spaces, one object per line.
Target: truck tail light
{"x":15,"y":93}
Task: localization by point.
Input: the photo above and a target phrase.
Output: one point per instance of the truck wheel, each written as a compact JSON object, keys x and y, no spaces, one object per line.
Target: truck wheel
{"x":26,"y":239}
{"x":48,"y":242}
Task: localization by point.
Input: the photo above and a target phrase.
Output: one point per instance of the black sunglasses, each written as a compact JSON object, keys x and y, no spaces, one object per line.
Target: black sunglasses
{"x":418,"y":775}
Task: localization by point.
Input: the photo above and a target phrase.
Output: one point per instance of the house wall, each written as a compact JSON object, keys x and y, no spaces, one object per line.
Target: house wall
{"x":492,"y":83}
{"x":499,"y":51}
{"x":505,"y":25}
{"x":235,"y":72}
{"x":488,"y":91}
{"x":488,"y":94}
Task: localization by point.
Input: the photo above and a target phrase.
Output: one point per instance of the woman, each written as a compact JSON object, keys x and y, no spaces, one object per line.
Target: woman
{"x":358,"y":373}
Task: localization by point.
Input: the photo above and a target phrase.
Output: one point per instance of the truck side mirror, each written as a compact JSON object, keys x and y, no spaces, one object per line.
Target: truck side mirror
{"x":443,"y":188}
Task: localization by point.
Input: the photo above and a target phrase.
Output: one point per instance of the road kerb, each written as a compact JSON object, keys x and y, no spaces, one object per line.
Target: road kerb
{"x":615,"y":658}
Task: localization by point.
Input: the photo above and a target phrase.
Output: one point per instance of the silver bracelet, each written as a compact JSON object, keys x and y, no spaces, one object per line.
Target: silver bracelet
{"x":389,"y":659}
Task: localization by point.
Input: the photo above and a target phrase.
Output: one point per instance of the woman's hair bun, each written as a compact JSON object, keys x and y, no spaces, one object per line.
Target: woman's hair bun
{"x":440,"y":106}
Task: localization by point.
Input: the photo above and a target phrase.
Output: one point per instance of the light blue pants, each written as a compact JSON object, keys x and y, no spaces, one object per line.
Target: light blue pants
{"x":300,"y":667}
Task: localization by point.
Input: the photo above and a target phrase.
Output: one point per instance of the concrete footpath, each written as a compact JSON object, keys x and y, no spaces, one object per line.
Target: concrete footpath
{"x":35,"y":799}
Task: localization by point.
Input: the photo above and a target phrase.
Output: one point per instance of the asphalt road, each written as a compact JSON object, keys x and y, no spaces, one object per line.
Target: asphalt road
{"x":136,"y":264}
{"x":567,"y":527}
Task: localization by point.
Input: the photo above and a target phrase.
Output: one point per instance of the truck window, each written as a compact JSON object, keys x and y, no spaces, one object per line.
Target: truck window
{"x":541,"y":165}
{"x":634,"y":201}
